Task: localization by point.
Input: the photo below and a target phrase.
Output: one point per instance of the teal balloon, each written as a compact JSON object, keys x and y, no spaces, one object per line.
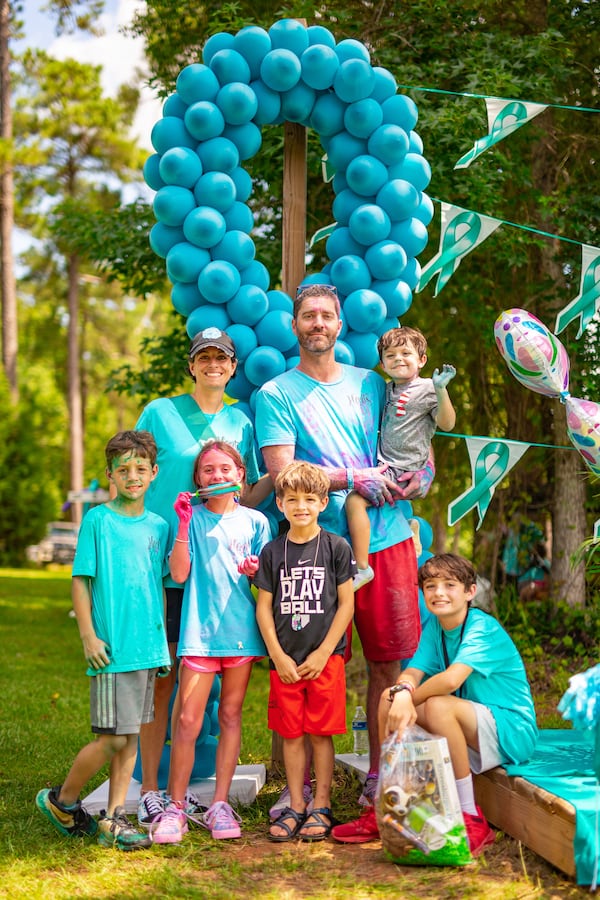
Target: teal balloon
{"x":239,"y":217}
{"x":364,"y":310}
{"x":172,"y":204}
{"x":385,"y":85}
{"x":253,"y":43}
{"x":237,"y":101}
{"x":247,"y":138}
{"x":413,"y":168}
{"x":415,"y":142}
{"x":389,"y":143}
{"x":328,"y":115}
{"x":412,"y":273}
{"x":269,"y":103}
{"x":238,"y":387}
{"x":297,"y":104}
{"x":204,"y":120}
{"x":396,"y":295}
{"x":219,"y":281}
{"x":207,"y":316}
{"x":229,"y":66}
{"x":354,"y":80}
{"x":424,"y":210}
{"x":235,"y":247}
{"x":387,"y":324}
{"x":399,"y":199}
{"x":364,"y":347}
{"x":275,"y":330}
{"x":163,"y":237}
{"x":151,"y":172}
{"x":411,"y":234}
{"x":350,"y":48}
{"x":363,"y":117}
{"x":215,"y":189}
{"x":344,"y":353}
{"x":386,"y":260}
{"x":343,"y":148}
{"x":280,"y":70}
{"x":339,"y":182}
{"x":400,"y":110}
{"x":425,"y":533}
{"x":196,"y":82}
{"x":186,"y":298}
{"x":174,"y":106}
{"x":205,"y":759}
{"x":256,"y":274}
{"x":180,"y":165}
{"x":289,"y":34}
{"x":249,"y":305}
{"x":185,"y":262}
{"x":344,"y":205}
{"x":280,"y":300}
{"x":318,"y":34}
{"x":220,"y":41}
{"x":319,"y":65}
{"x":243,"y":183}
{"x":366,"y":175}
{"x":292,"y":362}
{"x":369,"y":224}
{"x":244,"y":340}
{"x":169,"y":132}
{"x":350,"y":273}
{"x":218,"y":155}
{"x":263,"y":364}
{"x":204,"y":227}
{"x":341,"y":243}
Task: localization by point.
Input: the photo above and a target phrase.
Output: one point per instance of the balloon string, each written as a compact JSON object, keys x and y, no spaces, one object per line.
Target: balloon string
{"x":482,"y":437}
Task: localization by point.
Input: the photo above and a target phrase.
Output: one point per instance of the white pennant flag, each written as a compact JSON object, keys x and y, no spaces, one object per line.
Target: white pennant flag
{"x":587,"y":302}
{"x":504,"y":118}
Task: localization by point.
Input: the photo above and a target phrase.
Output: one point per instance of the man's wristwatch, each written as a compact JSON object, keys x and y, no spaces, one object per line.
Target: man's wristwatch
{"x":395,"y":688}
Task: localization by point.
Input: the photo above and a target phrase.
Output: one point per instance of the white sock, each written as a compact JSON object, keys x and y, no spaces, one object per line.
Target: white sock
{"x":466,"y":795}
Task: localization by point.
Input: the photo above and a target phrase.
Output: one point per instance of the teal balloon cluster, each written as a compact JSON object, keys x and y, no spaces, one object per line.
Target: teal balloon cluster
{"x":212,"y":124}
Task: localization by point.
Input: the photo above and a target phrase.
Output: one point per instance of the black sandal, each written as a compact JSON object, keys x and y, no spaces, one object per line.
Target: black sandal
{"x":287,"y":813}
{"x":319,"y":822}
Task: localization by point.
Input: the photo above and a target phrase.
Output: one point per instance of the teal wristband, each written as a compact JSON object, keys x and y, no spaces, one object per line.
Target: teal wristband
{"x":350,"y":479}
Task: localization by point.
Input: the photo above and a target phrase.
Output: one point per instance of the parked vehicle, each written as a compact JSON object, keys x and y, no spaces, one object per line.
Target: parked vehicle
{"x":58,"y":545}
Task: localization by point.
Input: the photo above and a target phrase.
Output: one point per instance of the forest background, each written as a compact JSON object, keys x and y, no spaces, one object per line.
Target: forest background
{"x":88,"y":330}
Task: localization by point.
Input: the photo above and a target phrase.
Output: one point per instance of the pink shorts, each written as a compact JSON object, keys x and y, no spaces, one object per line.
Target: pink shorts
{"x":310,"y":706}
{"x":386,"y":609}
{"x":215,"y":664}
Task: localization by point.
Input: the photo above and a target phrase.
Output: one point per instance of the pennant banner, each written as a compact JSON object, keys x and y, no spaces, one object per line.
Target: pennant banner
{"x":461,"y":231}
{"x":587,"y":302}
{"x":504,"y":118}
{"x":491,"y":460}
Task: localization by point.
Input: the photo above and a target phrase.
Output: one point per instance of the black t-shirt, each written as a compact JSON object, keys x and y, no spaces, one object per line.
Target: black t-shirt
{"x":303,"y":579}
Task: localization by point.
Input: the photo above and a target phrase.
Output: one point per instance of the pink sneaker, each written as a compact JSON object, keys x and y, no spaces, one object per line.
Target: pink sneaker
{"x":360,"y":830}
{"x":479,"y":833}
{"x":169,"y":826}
{"x":222,"y":821}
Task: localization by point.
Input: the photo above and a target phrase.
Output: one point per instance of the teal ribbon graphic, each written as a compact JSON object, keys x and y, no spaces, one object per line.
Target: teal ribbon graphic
{"x":499,"y":130}
{"x":452,"y":250}
{"x":487,"y":472}
{"x":587,"y":302}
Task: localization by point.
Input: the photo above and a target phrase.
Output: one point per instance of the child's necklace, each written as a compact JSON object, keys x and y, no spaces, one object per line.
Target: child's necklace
{"x":285,"y":553}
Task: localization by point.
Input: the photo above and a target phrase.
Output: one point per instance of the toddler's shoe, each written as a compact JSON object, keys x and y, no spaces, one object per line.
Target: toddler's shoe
{"x":362,"y":577}
{"x":170,"y":826}
{"x":73,"y":821}
{"x":150,"y":806}
{"x":479,"y":833}
{"x":222,"y":821}
{"x":117,"y":831}
{"x":360,"y":830}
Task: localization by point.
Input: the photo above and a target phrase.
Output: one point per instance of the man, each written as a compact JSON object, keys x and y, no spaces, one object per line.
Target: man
{"x":328,"y":413}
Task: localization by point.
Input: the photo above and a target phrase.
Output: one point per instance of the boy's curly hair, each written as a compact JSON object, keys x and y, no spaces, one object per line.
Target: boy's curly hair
{"x":302,"y":476}
{"x":400,"y":337}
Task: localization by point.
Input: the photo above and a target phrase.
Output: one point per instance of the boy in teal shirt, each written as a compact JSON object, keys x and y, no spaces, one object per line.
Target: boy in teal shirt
{"x":118,"y":601}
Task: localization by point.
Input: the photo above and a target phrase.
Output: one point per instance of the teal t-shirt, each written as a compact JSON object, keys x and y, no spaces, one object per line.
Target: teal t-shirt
{"x":125,"y":559}
{"x":180,"y":430}
{"x":498,"y":679}
{"x":218,"y":617}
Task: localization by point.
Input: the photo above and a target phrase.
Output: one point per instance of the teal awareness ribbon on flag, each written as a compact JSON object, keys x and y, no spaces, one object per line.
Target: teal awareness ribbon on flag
{"x":587,"y":302}
{"x":452,"y":250}
{"x":500,"y":129}
{"x":487,"y":472}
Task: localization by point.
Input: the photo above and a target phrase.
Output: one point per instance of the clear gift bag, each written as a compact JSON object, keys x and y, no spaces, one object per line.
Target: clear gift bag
{"x":417,"y":806}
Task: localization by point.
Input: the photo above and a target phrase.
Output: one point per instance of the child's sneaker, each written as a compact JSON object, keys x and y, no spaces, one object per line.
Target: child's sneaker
{"x":415,"y":527}
{"x":222,"y":821}
{"x":284,"y":801}
{"x":192,"y":804}
{"x":73,"y":821}
{"x":170,"y":826}
{"x":363,"y":576}
{"x":358,"y":831}
{"x":150,"y":806}
{"x":367,"y":798}
{"x":117,"y":831}
{"x":479,"y":833}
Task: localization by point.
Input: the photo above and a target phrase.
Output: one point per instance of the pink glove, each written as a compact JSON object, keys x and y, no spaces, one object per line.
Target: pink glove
{"x":248,"y":566}
{"x":183,"y":507}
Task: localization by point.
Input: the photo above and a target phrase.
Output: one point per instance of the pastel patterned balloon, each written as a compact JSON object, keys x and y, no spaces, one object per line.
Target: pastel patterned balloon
{"x":583,"y":427}
{"x":533,"y":354}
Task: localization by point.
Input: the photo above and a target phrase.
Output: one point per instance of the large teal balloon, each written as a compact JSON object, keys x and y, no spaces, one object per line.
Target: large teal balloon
{"x":185,"y":262}
{"x":207,"y":316}
{"x":249,"y":305}
{"x":263,"y":364}
{"x":204,"y":226}
{"x":219,"y":281}
{"x":196,"y":82}
{"x":180,"y":165}
{"x":172,"y":204}
{"x":364,"y":310}
{"x":253,"y":43}
{"x":319,"y":65}
{"x":204,"y":120}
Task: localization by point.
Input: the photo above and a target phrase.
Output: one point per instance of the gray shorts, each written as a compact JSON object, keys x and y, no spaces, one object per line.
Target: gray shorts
{"x":489,"y":755}
{"x":120,"y":702}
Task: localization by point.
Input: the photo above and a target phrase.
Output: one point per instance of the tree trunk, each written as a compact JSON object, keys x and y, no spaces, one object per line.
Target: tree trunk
{"x":8,"y":290}
{"x":74,"y":386}
{"x":569,"y":522}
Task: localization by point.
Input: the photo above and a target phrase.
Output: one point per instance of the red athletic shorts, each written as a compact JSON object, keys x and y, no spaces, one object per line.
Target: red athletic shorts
{"x":310,"y":706}
{"x":386,"y":610}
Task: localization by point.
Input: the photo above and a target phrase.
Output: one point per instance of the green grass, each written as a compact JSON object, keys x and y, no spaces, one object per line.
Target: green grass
{"x":44,"y":721}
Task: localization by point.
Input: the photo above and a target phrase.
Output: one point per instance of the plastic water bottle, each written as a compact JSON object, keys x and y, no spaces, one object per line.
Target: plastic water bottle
{"x":359,"y":732}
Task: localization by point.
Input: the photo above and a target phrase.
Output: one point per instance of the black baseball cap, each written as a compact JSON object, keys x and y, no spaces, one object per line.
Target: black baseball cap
{"x":212,"y":337}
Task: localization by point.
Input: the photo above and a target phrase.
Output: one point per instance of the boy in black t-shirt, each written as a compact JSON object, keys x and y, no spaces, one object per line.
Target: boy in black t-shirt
{"x":305,"y":603}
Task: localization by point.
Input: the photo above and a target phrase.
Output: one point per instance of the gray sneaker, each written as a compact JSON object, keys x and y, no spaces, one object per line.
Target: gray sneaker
{"x":117,"y":831}
{"x":74,"y":821}
{"x":150,"y":806}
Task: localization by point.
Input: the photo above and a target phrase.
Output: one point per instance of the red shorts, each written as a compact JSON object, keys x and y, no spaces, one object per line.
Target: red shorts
{"x":386,"y":610}
{"x":310,"y":706}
